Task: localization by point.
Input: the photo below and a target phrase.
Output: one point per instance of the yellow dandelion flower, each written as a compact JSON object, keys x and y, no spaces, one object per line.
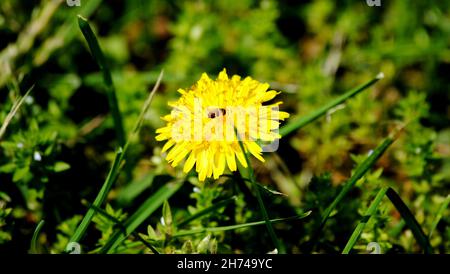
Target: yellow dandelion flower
{"x":209,"y":120}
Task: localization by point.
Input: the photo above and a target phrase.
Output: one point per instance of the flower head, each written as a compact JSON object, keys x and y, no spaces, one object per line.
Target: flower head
{"x":209,"y":120}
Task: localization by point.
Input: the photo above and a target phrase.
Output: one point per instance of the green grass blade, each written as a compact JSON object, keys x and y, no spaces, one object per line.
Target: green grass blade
{"x":37,"y":231}
{"x":304,"y":120}
{"x":262,"y":207}
{"x":13,"y":112}
{"x":239,"y":226}
{"x":206,"y":211}
{"x":143,"y":212}
{"x":362,"y":169}
{"x":365,"y":219}
{"x":147,"y":103}
{"x":134,"y":189}
{"x":410,"y":221}
{"x":101,"y":196}
{"x":439,"y":215}
{"x":110,"y":89}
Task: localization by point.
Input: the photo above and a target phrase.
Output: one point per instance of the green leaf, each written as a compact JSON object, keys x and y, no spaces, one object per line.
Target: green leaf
{"x":151,"y":233}
{"x":61,"y":166}
{"x":167,"y":217}
{"x":365,"y":219}
{"x":167,"y":214}
{"x":304,"y":120}
{"x":188,"y":247}
{"x":8,"y":168}
{"x":202,"y":247}
{"x":20,"y":173}
{"x":410,"y":221}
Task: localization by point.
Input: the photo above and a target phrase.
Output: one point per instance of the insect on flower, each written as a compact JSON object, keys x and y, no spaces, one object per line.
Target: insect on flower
{"x":209,"y":120}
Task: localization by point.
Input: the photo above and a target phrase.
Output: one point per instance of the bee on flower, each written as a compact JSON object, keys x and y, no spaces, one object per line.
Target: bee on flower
{"x":209,"y":120}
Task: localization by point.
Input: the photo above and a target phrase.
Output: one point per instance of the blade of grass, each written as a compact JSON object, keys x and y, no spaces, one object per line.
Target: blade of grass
{"x":16,"y":105}
{"x":110,"y":89}
{"x":262,"y":207}
{"x":206,"y":211}
{"x":143,"y":212}
{"x":439,"y":215}
{"x":304,"y":120}
{"x":101,"y":196}
{"x":410,"y":221}
{"x":238,"y":226}
{"x":365,"y":219}
{"x":37,"y":231}
{"x":133,"y":189}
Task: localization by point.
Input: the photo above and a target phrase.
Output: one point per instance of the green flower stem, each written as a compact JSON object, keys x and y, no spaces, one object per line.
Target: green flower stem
{"x":262,"y":208}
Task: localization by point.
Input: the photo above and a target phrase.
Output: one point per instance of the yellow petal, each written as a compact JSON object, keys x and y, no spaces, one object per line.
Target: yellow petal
{"x":163,"y":130}
{"x":231,"y":161}
{"x":181,"y":155}
{"x":168,"y":145}
{"x":189,"y":164}
{"x":162,"y":137}
{"x":283,"y":115}
{"x":219,"y":164}
{"x":269,"y":95}
{"x":255,"y":150}
{"x":241,"y":157}
{"x":202,"y":165}
{"x":223,"y":75}
{"x":174,"y":152}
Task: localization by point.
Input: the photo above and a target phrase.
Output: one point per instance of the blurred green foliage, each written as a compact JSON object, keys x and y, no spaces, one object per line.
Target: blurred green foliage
{"x":58,"y":148}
